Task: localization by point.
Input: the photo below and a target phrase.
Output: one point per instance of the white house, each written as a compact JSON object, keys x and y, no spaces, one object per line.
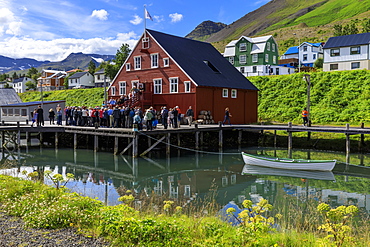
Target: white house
{"x":19,"y":85}
{"x":309,"y":52}
{"x":81,"y":80}
{"x":99,"y":77}
{"x":347,"y":52}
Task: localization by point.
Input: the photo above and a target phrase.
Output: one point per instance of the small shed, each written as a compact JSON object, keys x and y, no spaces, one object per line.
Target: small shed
{"x":21,"y":112}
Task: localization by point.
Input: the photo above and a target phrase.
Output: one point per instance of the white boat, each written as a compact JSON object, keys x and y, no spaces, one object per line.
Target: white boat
{"x":290,"y":164}
{"x":259,"y":170}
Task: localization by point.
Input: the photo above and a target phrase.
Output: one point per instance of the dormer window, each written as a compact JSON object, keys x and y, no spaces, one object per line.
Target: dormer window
{"x":242,"y":47}
{"x":211,"y":66}
{"x":145,"y":43}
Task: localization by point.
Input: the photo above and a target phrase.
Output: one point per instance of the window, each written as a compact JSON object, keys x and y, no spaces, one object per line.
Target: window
{"x":242,"y":70}
{"x":255,"y":58}
{"x":355,"y":65}
{"x":334,"y":52}
{"x":304,"y":57}
{"x":266,"y":58}
{"x":5,"y":112}
{"x":122,"y":88}
{"x":145,"y":43}
{"x":273,"y":47}
{"x":113,"y":90}
{"x":305,"y":48}
{"x":166,"y":62}
{"x":137,"y":62}
{"x":355,"y":50}
{"x":233,"y":93}
{"x":128,"y":67}
{"x":277,"y":71}
{"x":187,"y":192}
{"x":17,"y":112}
{"x":225,"y":93}
{"x":268,"y":46}
{"x":254,"y":69}
{"x":334,"y":66}
{"x":242,"y":47}
{"x":274,"y":59}
{"x":174,"y":87}
{"x":314,"y":56}
{"x":154,"y":60}
{"x":157,"y":86}
{"x":231,"y":60}
{"x":24,"y":112}
{"x":10,"y":112}
{"x":187,"y":86}
{"x":242,"y":59}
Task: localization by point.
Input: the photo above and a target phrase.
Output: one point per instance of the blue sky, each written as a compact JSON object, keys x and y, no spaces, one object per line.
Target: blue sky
{"x":51,"y":30}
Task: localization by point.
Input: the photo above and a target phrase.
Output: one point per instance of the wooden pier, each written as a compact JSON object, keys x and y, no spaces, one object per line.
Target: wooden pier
{"x":11,"y":135}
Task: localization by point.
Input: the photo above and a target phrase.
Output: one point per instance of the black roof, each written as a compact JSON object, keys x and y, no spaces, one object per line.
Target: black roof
{"x":77,"y":75}
{"x":348,"y":40}
{"x":202,"y":62}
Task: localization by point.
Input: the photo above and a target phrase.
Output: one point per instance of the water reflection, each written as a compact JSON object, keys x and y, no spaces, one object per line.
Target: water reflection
{"x":188,"y":177}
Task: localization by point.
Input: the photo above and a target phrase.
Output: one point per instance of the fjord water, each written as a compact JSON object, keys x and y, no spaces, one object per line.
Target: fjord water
{"x":190,"y":175}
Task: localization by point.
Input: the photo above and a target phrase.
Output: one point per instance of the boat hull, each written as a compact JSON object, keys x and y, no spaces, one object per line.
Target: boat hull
{"x":292,"y":164}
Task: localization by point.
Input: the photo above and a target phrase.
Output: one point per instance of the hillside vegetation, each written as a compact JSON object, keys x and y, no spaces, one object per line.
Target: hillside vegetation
{"x":336,"y":97}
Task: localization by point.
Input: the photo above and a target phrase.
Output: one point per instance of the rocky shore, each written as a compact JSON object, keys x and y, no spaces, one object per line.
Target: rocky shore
{"x":14,"y":233}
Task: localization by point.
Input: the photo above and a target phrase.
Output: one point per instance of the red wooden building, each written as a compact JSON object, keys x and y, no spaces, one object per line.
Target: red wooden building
{"x":176,"y":71}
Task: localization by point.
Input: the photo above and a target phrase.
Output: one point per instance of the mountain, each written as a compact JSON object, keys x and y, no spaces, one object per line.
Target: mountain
{"x":76,"y":60}
{"x":9,"y":64}
{"x":310,"y":21}
{"x":205,"y":29}
{"x":73,"y":61}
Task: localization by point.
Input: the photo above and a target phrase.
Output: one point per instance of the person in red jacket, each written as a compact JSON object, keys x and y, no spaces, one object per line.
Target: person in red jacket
{"x":305,"y":117}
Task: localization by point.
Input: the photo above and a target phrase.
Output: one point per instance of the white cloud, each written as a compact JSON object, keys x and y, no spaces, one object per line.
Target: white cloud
{"x":176,"y":17}
{"x":8,"y":23}
{"x":58,"y":49}
{"x":137,"y":20}
{"x":100,"y":14}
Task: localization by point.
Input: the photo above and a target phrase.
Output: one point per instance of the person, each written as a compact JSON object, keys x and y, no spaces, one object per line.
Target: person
{"x":149,"y":119}
{"x":116,"y":117}
{"x":189,"y":115}
{"x":227,"y":116}
{"x":305,"y":117}
{"x":175,"y":114}
{"x":59,"y":114}
{"x":137,"y":120}
{"x":179,"y":116}
{"x":40,"y":116}
{"x":34,"y":117}
{"x":164,"y":116}
{"x":51,"y":116}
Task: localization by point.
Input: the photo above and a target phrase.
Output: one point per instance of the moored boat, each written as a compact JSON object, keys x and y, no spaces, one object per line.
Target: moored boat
{"x":292,"y":164}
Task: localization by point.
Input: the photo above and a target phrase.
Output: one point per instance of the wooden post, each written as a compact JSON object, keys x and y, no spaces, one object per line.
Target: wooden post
{"x":75,"y":141}
{"x":362,"y":138}
{"x":178,"y":144}
{"x":196,"y":137}
{"x":96,"y":143}
{"x":275,"y":139}
{"x":240,"y":137}
{"x":290,"y":140}
{"x":201,"y":139}
{"x":135,"y":144}
{"x":168,"y":146}
{"x":41,"y":139}
{"x":115,"y":145}
{"x":56,"y":139}
{"x":220,"y":136}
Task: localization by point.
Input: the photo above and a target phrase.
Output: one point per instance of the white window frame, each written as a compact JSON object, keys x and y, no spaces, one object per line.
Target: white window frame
{"x":157,"y":86}
{"x":305,"y":57}
{"x":128,"y":66}
{"x":274,"y":59}
{"x":242,"y":59}
{"x":335,"y":52}
{"x":255,"y":58}
{"x":166,"y":62}
{"x":268,"y":46}
{"x":137,"y":60}
{"x":225,"y":93}
{"x":174,"y":84}
{"x":234,"y":93}
{"x":266,"y":58}
{"x":113,"y":90}
{"x":355,"y":50}
{"x":154,"y":60}
{"x":231,"y":60}
{"x":122,"y":87}
{"x":273,"y":47}
{"x":242,"y":46}
{"x":187,"y":86}
{"x":305,"y":48}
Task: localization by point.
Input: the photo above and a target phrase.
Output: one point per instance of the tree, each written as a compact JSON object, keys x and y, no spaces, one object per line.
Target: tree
{"x":15,"y":76}
{"x":92,"y":67}
{"x":111,"y":69}
{"x":30,"y":85}
{"x":32,"y":71}
{"x":338,"y":30}
{"x":318,"y":63}
{"x":350,"y":28}
{"x":366,"y":25}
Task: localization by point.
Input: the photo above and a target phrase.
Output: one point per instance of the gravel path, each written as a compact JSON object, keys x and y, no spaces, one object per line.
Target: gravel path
{"x":14,"y":233}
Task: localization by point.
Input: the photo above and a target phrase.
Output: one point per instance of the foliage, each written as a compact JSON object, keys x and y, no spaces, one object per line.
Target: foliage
{"x":73,"y":97}
{"x":57,"y":178}
{"x":336,"y":222}
{"x":92,"y":67}
{"x":111,"y":69}
{"x":336,"y":97}
{"x":318,"y":63}
{"x":32,"y":71}
{"x":30,"y":85}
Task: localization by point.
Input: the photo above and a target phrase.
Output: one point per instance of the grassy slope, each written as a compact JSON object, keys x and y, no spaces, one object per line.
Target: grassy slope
{"x":73,"y":97}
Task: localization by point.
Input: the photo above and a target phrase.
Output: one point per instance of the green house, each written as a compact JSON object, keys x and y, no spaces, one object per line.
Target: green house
{"x":255,"y":56}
